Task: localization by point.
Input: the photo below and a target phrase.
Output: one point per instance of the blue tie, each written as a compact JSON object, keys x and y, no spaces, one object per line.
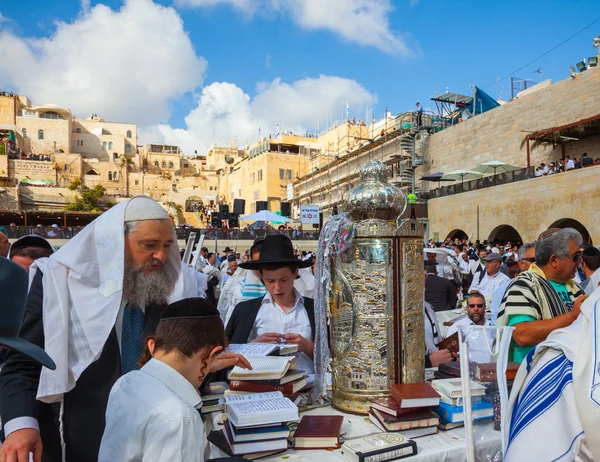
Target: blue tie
{"x":132,"y":336}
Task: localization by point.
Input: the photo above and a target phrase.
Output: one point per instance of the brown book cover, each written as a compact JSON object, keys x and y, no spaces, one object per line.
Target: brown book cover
{"x":450,"y":343}
{"x":255,"y":387}
{"x":414,"y":395}
{"x":389,"y":406}
{"x":424,"y":418}
{"x":318,"y":431}
{"x":486,"y":372}
{"x":451,"y":369}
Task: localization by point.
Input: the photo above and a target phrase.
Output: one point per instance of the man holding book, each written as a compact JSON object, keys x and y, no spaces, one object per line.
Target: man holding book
{"x":283,"y":315}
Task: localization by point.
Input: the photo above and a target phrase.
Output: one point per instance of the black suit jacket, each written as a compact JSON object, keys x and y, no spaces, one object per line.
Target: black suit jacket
{"x":244,"y":314}
{"x":84,"y":406}
{"x":440,"y":292}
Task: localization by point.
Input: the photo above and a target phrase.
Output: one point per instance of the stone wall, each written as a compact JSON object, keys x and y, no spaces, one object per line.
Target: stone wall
{"x":529,"y":206}
{"x":8,"y":199}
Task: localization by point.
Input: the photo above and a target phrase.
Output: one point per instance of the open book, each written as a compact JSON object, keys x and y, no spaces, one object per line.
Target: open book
{"x":262,"y":349}
{"x":260,"y":409}
{"x":263,"y":368}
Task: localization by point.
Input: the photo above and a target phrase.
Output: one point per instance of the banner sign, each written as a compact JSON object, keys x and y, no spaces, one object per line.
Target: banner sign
{"x":309,"y":214}
{"x":290,"y":192}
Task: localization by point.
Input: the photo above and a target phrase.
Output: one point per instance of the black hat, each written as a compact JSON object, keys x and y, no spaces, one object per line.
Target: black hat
{"x":227,"y":249}
{"x":190,"y":308}
{"x":276,"y":249}
{"x":231,"y":258}
{"x":32,"y":240}
{"x":13,"y":287}
{"x":591,"y":251}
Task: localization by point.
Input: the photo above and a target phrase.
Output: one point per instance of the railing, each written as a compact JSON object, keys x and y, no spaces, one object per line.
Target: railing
{"x":485,"y":182}
{"x":47,"y":232}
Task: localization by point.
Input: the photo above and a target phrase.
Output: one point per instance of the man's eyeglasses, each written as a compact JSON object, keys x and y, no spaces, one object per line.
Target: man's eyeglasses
{"x":478,"y":305}
{"x":575,"y":257}
{"x":530,"y":260}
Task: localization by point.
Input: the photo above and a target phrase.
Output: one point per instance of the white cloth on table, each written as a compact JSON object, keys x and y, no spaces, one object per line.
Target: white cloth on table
{"x":152,"y":415}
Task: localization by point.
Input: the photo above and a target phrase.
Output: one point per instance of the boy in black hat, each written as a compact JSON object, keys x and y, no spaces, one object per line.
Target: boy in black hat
{"x":282,"y":315}
{"x":152,"y":413}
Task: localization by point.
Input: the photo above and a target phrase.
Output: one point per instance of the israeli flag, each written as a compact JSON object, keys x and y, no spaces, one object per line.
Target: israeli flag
{"x":277,"y":132}
{"x":347,"y":110}
{"x":259,"y":132}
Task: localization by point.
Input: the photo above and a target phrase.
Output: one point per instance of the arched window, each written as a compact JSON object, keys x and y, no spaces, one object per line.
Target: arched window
{"x":170,"y":164}
{"x":128,"y":148}
{"x":128,"y":133}
{"x":109,"y":176}
{"x":40,"y":134}
{"x":164,"y":164}
{"x":156,"y":163}
{"x":104,"y":145}
{"x":110,"y":145}
{"x":24,"y":133}
{"x":116,"y":176}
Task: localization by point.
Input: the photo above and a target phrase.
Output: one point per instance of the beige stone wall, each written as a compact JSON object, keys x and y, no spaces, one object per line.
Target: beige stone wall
{"x":4,"y":166}
{"x":529,"y":206}
{"x":7,"y":109}
{"x":93,"y":138}
{"x":57,"y":134}
{"x":68,"y":167}
{"x":31,"y":169}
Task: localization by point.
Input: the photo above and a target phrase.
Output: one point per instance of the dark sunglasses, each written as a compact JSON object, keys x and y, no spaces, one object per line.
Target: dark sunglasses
{"x":473,"y":305}
{"x":530,"y":260}
{"x":576,"y":256}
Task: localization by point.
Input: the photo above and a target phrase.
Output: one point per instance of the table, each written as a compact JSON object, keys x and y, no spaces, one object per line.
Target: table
{"x":445,"y":446}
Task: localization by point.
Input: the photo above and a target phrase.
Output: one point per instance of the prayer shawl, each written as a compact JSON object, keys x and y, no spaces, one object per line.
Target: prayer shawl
{"x":554,"y":408}
{"x":594,"y":282}
{"x":532,"y":295}
{"x":83,"y":289}
{"x":243,"y":285}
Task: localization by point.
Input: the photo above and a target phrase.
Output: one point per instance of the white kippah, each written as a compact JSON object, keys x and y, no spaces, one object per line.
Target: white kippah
{"x":142,"y":208}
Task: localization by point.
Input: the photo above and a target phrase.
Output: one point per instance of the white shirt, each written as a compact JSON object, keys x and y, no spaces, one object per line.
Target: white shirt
{"x":272,"y":318}
{"x":570,"y":164}
{"x":489,"y":284}
{"x":479,"y":349}
{"x":152,"y":415}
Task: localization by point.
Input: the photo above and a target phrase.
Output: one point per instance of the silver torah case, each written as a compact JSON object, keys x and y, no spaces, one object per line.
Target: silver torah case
{"x":376,"y":302}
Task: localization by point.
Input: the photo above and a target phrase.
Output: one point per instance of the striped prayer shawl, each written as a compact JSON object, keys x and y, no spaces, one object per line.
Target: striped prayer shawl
{"x":532,"y":295}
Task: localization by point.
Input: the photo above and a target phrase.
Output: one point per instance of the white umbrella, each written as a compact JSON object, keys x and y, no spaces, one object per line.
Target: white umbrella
{"x":497,"y":166}
{"x":462,"y":175}
{"x":265,"y":215}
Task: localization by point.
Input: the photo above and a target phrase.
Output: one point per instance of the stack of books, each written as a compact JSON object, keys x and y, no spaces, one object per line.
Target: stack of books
{"x":269,"y":373}
{"x":409,"y":410}
{"x":318,"y":432}
{"x":256,"y":424}
{"x":211,"y":394}
{"x":451,"y":407}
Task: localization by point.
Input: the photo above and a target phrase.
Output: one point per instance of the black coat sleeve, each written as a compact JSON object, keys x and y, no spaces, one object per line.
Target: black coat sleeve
{"x":20,"y":375}
{"x":452,"y":297}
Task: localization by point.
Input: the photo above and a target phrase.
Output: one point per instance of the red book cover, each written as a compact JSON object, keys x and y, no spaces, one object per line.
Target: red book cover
{"x":318,"y":431}
{"x":414,"y":395}
{"x":254,"y":387}
{"x":389,"y":406}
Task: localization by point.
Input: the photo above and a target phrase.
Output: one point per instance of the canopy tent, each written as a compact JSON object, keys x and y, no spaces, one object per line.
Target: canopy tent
{"x":437,"y":176}
{"x":265,"y":215}
{"x":497,"y":166}
{"x":462,"y":175}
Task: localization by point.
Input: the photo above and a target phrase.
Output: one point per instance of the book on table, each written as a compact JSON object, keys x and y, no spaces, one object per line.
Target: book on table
{"x":458,"y":401}
{"x":262,"y":349}
{"x":214,"y":390}
{"x":421,"y":418}
{"x":379,"y":447}
{"x":410,"y":433}
{"x":486,"y":372}
{"x":290,"y":376}
{"x":263,"y":368}
{"x":287,"y":389}
{"x":318,"y":432}
{"x":211,"y":406}
{"x":414,"y":395}
{"x":389,"y":406}
{"x":449,"y":426}
{"x":217,"y":437}
{"x":456,"y":414}
{"x":239,"y":449}
{"x":259,"y":409}
{"x":452,"y":388}
{"x":258,"y":433}
{"x":451,"y":369}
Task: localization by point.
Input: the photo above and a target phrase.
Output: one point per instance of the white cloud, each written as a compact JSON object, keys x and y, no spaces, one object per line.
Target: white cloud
{"x":365,"y":22}
{"x":124,"y":65}
{"x":225,"y":112}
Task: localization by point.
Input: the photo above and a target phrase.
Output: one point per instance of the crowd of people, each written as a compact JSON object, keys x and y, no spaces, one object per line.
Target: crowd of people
{"x":120,"y":319}
{"x":566,"y":164}
{"x":24,"y":156}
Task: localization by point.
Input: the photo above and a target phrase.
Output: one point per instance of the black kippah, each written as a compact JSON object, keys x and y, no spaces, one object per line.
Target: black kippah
{"x":190,"y":308}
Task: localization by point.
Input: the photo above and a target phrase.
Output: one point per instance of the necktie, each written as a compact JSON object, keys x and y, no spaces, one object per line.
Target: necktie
{"x":132,"y":336}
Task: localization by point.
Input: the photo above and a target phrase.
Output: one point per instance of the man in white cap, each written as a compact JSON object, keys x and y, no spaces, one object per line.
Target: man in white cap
{"x":90,"y":305}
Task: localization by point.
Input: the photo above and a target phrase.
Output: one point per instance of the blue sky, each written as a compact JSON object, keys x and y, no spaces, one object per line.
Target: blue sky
{"x":226,"y":67}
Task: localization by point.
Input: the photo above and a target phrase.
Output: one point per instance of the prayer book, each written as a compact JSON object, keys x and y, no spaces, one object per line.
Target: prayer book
{"x":249,"y":447}
{"x":449,"y":426}
{"x":486,"y":372}
{"x":451,"y":369}
{"x":211,"y":406}
{"x":456,"y":414}
{"x":318,"y":432}
{"x":263,"y":368}
{"x":291,"y":376}
{"x":416,"y":432}
{"x":259,"y":433}
{"x":457,"y":401}
{"x":262,"y":349}
{"x":217,"y":437}
{"x":215,"y":390}
{"x":389,"y":406}
{"x":257,"y":387}
{"x":450,"y":343}
{"x":422,"y":418}
{"x":452,"y":388}
{"x":414,"y":395}
{"x":379,"y":447}
{"x":259,"y":409}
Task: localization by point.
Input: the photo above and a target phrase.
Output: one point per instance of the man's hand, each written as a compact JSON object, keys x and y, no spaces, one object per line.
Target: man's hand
{"x":226,"y":360}
{"x":577,"y":306}
{"x":439,"y":357}
{"x":304,"y":345}
{"x":19,"y":444}
{"x":268,"y":337}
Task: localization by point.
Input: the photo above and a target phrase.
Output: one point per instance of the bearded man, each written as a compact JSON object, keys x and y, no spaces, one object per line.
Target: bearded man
{"x":90,"y":305}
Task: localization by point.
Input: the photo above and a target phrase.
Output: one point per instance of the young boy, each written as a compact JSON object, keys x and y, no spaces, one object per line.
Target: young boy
{"x":152,"y":414}
{"x":283,"y":315}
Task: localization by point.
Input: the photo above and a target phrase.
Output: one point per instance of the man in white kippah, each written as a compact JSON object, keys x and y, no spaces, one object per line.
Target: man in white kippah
{"x":90,"y":306}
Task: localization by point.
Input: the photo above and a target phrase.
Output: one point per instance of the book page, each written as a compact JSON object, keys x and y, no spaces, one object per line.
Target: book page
{"x":251,"y":397}
{"x":252,"y":349}
{"x":263,"y":364}
{"x":263,"y":406}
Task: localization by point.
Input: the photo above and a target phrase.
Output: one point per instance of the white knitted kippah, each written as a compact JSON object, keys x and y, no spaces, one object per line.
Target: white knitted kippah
{"x":142,"y":208}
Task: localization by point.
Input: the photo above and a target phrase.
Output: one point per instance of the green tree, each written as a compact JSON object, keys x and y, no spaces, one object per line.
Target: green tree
{"x":74,"y":184}
{"x":88,"y":201}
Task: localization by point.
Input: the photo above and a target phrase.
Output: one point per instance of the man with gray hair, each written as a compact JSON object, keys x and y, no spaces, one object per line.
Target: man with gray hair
{"x":545,"y":297}
{"x":90,"y":306}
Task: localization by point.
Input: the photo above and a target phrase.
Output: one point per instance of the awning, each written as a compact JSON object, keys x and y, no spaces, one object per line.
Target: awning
{"x":575,"y":131}
{"x":9,"y":127}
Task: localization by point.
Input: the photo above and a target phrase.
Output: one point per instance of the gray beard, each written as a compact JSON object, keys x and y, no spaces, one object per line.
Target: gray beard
{"x":143,"y":288}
